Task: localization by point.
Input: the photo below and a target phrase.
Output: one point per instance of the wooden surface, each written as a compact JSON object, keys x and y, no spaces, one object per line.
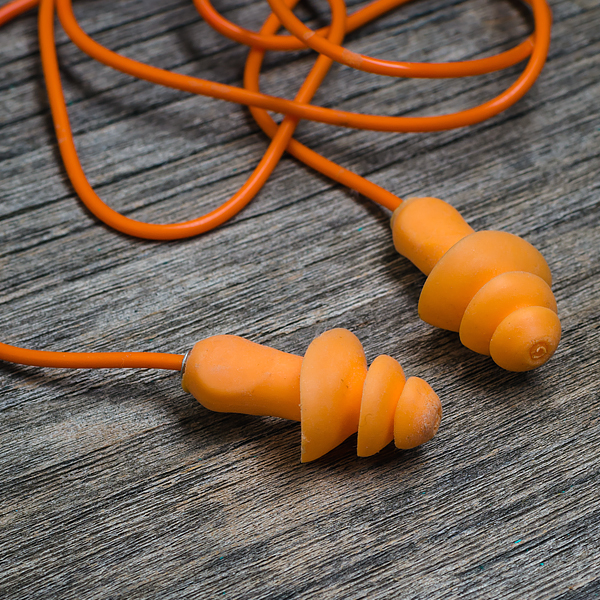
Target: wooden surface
{"x":118,"y":485}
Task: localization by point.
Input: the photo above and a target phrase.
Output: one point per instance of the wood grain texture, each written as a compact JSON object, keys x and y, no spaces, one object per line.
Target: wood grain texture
{"x":118,"y":485}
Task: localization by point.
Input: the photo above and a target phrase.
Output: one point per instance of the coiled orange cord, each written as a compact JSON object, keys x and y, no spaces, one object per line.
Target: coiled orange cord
{"x":327,"y":42}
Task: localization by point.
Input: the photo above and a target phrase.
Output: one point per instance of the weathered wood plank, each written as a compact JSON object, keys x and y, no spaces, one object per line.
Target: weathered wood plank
{"x":116,"y":485}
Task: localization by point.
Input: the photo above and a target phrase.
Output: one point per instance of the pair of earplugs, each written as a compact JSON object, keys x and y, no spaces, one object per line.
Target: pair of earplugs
{"x":490,"y":286}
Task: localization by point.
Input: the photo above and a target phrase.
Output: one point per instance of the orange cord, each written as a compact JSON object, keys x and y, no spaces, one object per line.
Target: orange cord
{"x":327,"y":42}
{"x":13,"y":9}
{"x":91,"y":360}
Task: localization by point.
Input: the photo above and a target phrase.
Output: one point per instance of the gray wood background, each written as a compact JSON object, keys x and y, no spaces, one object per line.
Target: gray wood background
{"x":116,"y":484}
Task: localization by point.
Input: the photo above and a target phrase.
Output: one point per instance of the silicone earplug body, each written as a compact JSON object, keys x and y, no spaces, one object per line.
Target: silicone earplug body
{"x":490,"y":286}
{"x":330,"y":391}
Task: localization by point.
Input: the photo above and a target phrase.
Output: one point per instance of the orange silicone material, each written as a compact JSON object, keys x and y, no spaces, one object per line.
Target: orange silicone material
{"x":467,"y":267}
{"x":331,"y":384}
{"x":330,"y":390}
{"x":232,"y":374}
{"x":476,"y":283}
{"x":526,"y":338}
{"x":424,"y":229}
{"x":418,"y":414}
{"x":383,"y":386}
{"x":496,"y":300}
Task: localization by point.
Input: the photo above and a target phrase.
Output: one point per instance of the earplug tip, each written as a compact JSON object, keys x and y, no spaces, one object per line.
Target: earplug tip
{"x":418,"y":414}
{"x":526,"y":339}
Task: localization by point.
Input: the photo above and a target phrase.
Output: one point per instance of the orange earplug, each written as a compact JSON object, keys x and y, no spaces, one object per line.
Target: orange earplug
{"x":330,"y":391}
{"x":490,"y":286}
